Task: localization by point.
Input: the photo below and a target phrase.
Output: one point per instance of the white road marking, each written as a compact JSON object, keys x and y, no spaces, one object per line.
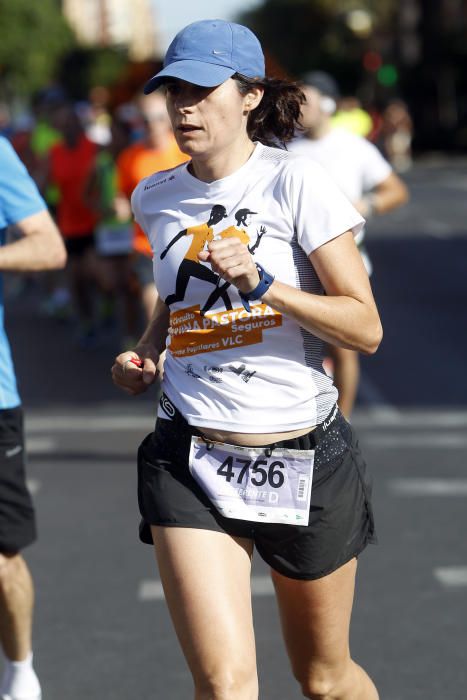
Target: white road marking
{"x":40,"y":445}
{"x":262,"y":585}
{"x":378,"y":416}
{"x":382,"y":418}
{"x":451,"y":576}
{"x":90,"y":423}
{"x":150,"y":589}
{"x":437,"y":229}
{"x":429,"y":487}
{"x":397,"y":441}
{"x":33,"y":486}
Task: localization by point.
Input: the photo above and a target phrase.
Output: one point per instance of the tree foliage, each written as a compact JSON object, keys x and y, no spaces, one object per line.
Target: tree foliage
{"x":85,"y":67}
{"x":34,"y":37}
{"x":304,"y":35}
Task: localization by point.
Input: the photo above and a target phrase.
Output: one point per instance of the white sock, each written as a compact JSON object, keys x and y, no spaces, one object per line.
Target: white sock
{"x":19,"y":680}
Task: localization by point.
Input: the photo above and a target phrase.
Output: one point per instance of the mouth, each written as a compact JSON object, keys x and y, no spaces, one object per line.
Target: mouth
{"x":188,"y":128}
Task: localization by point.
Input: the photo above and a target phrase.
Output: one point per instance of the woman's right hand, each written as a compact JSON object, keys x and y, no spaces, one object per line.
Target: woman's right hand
{"x":135,"y":370}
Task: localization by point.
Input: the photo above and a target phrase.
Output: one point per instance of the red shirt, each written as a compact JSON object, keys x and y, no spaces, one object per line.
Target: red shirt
{"x":70,"y":168}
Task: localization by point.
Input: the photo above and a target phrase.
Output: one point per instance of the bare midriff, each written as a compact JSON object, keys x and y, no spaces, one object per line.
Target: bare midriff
{"x":251,"y":439}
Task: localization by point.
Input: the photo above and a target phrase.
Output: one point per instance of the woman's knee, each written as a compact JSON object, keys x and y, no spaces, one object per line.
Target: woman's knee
{"x":228,"y":684}
{"x":326,"y":683}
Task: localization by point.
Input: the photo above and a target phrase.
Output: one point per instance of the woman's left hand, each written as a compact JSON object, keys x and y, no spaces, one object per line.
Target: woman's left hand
{"x":231,"y":260}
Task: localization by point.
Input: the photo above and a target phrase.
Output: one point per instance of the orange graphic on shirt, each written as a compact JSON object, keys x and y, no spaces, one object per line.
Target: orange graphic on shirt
{"x":233,"y":232}
{"x":201,"y":234}
{"x":191,"y":266}
{"x":192,"y":334}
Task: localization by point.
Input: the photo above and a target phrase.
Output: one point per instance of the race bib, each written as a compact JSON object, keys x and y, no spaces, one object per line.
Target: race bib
{"x":114,"y":239}
{"x":251,"y":483}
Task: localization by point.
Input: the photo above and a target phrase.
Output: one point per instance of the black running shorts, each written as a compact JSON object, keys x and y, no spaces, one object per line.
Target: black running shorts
{"x":17,"y":520}
{"x":341,"y":520}
{"x":77,"y":246}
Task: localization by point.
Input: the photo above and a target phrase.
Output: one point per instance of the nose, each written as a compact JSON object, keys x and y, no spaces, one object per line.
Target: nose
{"x":179,"y":100}
{"x":185,"y":97}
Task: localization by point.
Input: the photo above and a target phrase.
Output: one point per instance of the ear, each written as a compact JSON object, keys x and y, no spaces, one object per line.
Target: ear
{"x":252,"y":98}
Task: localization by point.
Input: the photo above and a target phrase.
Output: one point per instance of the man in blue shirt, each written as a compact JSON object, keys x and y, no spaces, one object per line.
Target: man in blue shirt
{"x":39,"y":247}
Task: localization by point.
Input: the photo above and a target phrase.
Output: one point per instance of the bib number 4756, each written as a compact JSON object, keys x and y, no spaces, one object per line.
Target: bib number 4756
{"x":262,"y":471}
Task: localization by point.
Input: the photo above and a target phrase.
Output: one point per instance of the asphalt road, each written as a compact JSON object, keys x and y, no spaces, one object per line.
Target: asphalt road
{"x":101,"y":627}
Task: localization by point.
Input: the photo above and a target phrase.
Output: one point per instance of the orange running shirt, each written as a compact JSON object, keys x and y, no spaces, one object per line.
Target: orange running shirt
{"x":69,"y":170}
{"x":139,"y":161}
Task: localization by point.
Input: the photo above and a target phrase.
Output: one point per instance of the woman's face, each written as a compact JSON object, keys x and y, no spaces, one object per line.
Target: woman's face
{"x":311,"y":114}
{"x":207,"y":121}
{"x":154,"y":111}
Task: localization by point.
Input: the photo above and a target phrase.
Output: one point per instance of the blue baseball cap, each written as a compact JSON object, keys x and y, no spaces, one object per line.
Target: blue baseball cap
{"x":209,"y":52}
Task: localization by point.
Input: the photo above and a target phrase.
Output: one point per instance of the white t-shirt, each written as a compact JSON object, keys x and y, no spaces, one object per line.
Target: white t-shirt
{"x":228,"y":369}
{"x":353,"y":162}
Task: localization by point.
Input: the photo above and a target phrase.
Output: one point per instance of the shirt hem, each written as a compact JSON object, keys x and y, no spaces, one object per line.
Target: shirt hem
{"x":250,"y":429}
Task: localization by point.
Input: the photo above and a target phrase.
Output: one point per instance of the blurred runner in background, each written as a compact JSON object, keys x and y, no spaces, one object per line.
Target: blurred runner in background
{"x":350,"y":115}
{"x":395,"y":137}
{"x":39,"y":248}
{"x":364,"y":176}
{"x":114,"y":233}
{"x":70,"y":163}
{"x":157,"y":151}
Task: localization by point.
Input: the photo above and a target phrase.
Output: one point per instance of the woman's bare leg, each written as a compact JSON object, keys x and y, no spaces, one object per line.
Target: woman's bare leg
{"x":315,"y":619}
{"x":206,"y":580}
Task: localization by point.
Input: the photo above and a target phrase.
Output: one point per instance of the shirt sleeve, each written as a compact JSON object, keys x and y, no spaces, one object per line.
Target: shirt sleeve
{"x":19,"y":196}
{"x":136,"y":206}
{"x":320,"y":210}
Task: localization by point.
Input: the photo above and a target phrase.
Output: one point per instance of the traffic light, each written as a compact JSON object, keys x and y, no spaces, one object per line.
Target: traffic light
{"x":372,"y":61}
{"x":387,"y":74}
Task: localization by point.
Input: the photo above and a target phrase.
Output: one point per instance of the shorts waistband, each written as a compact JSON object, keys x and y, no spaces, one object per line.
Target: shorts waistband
{"x":308,"y":441}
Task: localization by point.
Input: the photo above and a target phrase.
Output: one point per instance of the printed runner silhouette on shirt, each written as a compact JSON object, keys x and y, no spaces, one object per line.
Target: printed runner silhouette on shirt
{"x":242,"y":218}
{"x":190,"y":265}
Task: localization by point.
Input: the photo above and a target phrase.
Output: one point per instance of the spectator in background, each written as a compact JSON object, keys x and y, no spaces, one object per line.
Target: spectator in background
{"x":99,"y":124}
{"x":71,"y":162}
{"x":157,"y":151}
{"x":114,"y":233}
{"x":20,"y":138}
{"x":43,"y":137}
{"x":395,"y":137}
{"x":39,"y":248}
{"x":362,"y":174}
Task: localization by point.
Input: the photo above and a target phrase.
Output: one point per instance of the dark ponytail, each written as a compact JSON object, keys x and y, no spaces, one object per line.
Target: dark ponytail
{"x":276,"y":119}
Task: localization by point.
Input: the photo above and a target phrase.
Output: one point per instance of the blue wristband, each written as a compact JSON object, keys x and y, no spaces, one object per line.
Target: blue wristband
{"x":265,"y":281}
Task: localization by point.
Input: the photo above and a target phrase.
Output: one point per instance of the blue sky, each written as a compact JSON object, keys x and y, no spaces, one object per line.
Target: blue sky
{"x":172,"y":15}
